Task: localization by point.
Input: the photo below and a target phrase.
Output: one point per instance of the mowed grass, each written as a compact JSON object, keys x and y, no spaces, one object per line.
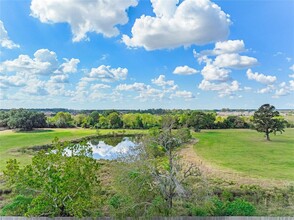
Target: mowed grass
{"x":246,"y":151}
{"x":11,"y":141}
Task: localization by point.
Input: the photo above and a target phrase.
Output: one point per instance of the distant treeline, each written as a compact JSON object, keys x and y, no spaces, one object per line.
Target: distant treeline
{"x":24,"y":119}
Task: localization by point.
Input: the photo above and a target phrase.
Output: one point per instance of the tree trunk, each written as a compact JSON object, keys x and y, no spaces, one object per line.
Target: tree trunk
{"x":267,"y":136}
{"x":171,"y":179}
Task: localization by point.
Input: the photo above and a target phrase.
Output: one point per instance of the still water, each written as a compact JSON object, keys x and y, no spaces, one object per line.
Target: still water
{"x":113,"y":148}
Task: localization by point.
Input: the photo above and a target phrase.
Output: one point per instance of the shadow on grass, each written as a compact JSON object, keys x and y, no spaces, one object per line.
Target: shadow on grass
{"x":36,"y":131}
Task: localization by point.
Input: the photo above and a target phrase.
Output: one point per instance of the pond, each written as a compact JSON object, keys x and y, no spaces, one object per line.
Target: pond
{"x":113,"y":147}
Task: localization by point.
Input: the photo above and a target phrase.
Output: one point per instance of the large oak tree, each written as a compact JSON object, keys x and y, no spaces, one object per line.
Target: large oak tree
{"x":268,"y":120}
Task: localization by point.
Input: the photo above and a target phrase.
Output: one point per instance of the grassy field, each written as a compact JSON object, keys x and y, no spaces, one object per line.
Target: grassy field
{"x":11,"y":142}
{"x":290,"y":118}
{"x":246,"y":151}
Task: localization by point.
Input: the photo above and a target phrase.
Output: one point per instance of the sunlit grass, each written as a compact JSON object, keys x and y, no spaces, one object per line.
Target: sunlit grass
{"x":248,"y":152}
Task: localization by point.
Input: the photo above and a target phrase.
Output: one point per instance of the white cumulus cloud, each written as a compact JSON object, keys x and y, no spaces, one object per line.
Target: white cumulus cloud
{"x":132,"y":87}
{"x":108,"y":74}
{"x":230,"y":46}
{"x":214,"y":73}
{"x":69,"y":66}
{"x":183,"y":25}
{"x":99,"y":16}
{"x":99,"y":86}
{"x":4,"y":39}
{"x":223,"y":89}
{"x":44,"y":62}
{"x":185,"y":70}
{"x":259,"y":77}
{"x":235,"y":61}
{"x":183,"y":94}
{"x":267,"y":89}
{"x":160,"y":81}
{"x":59,"y":78}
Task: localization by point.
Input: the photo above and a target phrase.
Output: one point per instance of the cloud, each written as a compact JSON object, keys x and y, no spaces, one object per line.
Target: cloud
{"x":292,"y":67}
{"x":224,"y":47}
{"x":291,"y":82}
{"x":223,"y":89}
{"x":108,"y":74}
{"x":234,"y":61}
{"x":267,"y":89}
{"x":150,"y":93}
{"x":183,"y":25}
{"x":183,"y":94}
{"x":214,"y":73}
{"x":4,"y":39}
{"x":259,"y":77}
{"x":184,"y":70}
{"x":100,"y":86}
{"x":39,"y":76}
{"x":43,"y":63}
{"x":13,"y":81}
{"x":35,"y":87}
{"x":281,"y":92}
{"x":219,"y":63}
{"x":230,"y":46}
{"x":69,"y":66}
{"x":160,"y":81}
{"x":60,"y":78}
{"x":132,"y":87}
{"x":145,"y":92}
{"x":99,"y":16}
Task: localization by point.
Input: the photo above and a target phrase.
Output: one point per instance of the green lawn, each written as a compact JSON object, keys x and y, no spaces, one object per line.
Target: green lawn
{"x":246,"y":151}
{"x":11,"y":141}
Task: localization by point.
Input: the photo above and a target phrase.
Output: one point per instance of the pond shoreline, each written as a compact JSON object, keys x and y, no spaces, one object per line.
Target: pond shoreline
{"x":78,"y":140}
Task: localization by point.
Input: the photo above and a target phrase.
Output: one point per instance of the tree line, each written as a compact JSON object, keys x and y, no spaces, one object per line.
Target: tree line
{"x":23,"y":119}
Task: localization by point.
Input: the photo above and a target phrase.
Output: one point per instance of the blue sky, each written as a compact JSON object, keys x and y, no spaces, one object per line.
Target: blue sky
{"x":131,"y":54}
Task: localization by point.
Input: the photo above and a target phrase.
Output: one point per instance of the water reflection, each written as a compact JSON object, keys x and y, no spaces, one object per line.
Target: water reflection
{"x":103,"y":150}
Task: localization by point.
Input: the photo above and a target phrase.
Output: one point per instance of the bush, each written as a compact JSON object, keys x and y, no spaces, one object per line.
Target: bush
{"x":238,"y":207}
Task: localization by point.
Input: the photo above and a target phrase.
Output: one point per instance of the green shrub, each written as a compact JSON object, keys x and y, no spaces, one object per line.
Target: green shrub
{"x":240,"y":207}
{"x":198,"y":211}
{"x":237,"y":207}
{"x":19,"y":205}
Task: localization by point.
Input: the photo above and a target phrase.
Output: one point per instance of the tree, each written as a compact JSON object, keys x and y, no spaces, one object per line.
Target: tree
{"x":25,"y":120}
{"x":114,"y":120}
{"x":171,"y":177}
{"x":196,"y":120}
{"x":62,"y":120}
{"x":59,"y":182}
{"x":233,"y":121}
{"x":4,"y":118}
{"x":149,"y":183}
{"x":80,"y":119}
{"x":267,"y":120}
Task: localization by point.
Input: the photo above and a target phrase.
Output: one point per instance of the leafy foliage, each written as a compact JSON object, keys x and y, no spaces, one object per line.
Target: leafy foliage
{"x":61,"y":120}
{"x":237,"y":207}
{"x":61,"y":182}
{"x":22,"y":119}
{"x":268,"y":120}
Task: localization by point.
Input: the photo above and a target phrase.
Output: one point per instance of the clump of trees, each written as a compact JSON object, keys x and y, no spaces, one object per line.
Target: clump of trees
{"x":60,"y":182}
{"x":110,"y":119}
{"x":22,"y":119}
{"x":268,"y":120}
{"x":61,"y":120}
